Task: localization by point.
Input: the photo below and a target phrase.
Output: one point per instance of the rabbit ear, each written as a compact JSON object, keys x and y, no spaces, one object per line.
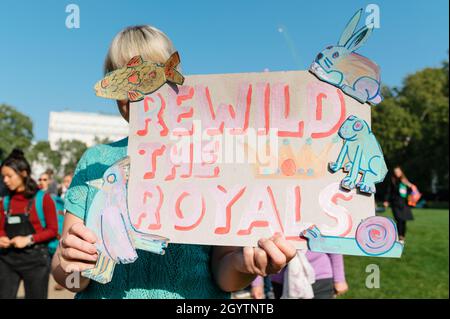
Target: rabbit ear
{"x":350,"y":28}
{"x":358,"y":39}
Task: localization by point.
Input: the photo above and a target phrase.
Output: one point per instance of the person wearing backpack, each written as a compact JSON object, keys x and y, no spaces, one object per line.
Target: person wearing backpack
{"x":24,"y":236}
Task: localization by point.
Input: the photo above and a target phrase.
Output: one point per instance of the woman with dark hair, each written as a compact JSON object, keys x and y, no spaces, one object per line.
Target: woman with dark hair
{"x":397,"y":197}
{"x":23,"y":240}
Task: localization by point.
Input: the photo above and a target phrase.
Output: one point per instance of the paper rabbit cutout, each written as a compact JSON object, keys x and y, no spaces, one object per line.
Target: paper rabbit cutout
{"x":364,"y":156}
{"x":340,"y":66}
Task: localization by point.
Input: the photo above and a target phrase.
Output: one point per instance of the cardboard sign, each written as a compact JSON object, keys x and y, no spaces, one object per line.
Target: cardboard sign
{"x":229,"y":159}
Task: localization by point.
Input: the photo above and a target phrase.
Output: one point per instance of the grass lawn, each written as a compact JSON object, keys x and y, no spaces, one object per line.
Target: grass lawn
{"x":422,"y":272}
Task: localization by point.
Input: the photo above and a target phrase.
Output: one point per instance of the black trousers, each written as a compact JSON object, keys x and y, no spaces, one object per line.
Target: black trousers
{"x":401,"y":227}
{"x":322,"y":288}
{"x":31,"y":266}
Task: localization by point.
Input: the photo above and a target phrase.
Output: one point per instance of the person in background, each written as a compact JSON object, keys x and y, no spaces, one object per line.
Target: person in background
{"x":67,"y":180}
{"x":62,"y":190}
{"x":261,"y":288}
{"x":52,"y":185}
{"x":44,"y":182}
{"x":257,"y":288}
{"x":397,"y":198}
{"x":24,"y":253}
{"x":329,"y":276}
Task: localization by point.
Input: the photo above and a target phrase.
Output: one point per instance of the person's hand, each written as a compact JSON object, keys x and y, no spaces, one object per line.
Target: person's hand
{"x":5,"y":242}
{"x":77,"y":251}
{"x":269,"y":258}
{"x":20,"y":242}
{"x":386,"y":204}
{"x":340,"y":288}
{"x":258,"y":292}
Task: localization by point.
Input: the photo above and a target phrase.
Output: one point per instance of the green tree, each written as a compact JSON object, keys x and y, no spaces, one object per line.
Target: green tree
{"x":425,"y":94}
{"x":412,"y":126}
{"x":70,"y":152}
{"x":16,"y":130}
{"x":98,"y":140}
{"x":62,"y":159}
{"x":394,"y":138}
{"x":42,"y":154}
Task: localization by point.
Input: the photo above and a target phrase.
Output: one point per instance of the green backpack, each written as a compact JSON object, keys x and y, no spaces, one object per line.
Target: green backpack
{"x":39,"y":203}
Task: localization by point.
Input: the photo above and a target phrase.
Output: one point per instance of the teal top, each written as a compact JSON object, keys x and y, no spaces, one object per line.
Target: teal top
{"x":182,"y":273}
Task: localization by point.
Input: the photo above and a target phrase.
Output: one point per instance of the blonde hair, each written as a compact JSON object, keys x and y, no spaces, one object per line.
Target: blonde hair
{"x":144,"y":40}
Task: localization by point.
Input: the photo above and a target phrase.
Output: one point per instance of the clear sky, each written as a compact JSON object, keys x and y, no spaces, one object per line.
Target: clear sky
{"x":45,"y":66}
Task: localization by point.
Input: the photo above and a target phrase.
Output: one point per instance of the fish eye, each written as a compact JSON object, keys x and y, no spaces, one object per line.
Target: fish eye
{"x":319,"y":56}
{"x":335,"y":55}
{"x":111,"y":178}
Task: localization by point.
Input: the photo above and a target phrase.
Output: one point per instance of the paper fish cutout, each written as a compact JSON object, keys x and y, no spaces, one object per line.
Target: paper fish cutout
{"x":108,"y":218}
{"x":364,"y":156}
{"x":354,"y":74}
{"x":375,"y":237}
{"x":139,"y":78}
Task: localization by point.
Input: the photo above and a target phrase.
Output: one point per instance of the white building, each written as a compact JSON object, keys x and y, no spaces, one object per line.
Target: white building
{"x":85,"y":127}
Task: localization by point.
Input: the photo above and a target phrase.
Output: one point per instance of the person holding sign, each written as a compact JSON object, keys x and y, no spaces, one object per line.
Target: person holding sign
{"x":185,"y":271}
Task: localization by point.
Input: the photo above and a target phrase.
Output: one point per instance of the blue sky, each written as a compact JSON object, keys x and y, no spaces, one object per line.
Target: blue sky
{"x":46,"y":67}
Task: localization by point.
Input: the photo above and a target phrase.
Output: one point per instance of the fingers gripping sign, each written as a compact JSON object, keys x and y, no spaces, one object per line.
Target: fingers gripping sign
{"x":77,"y":251}
{"x":270,"y":257}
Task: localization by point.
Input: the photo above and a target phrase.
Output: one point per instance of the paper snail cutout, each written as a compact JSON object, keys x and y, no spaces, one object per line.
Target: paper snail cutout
{"x":375,"y":237}
{"x":139,"y":78}
{"x":363,"y":154}
{"x":354,"y":74}
{"x":108,"y":217}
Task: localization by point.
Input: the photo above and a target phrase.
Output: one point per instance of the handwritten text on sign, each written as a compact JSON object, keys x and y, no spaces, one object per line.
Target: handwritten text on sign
{"x":228,"y":159}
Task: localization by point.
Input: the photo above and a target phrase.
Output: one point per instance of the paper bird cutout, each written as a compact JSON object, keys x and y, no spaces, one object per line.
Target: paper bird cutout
{"x":109,"y":219}
{"x":354,"y":74}
{"x":138,"y":78}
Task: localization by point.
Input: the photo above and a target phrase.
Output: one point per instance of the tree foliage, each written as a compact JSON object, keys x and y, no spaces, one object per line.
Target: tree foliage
{"x":71,"y":152}
{"x":42,"y":154}
{"x":16,"y":130}
{"x":62,"y":160}
{"x":412,"y":127}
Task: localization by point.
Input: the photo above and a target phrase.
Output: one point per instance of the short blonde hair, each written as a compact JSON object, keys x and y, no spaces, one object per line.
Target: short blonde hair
{"x":144,"y":40}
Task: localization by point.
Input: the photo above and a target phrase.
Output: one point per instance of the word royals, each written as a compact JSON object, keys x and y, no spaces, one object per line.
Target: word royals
{"x":261,"y":209}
